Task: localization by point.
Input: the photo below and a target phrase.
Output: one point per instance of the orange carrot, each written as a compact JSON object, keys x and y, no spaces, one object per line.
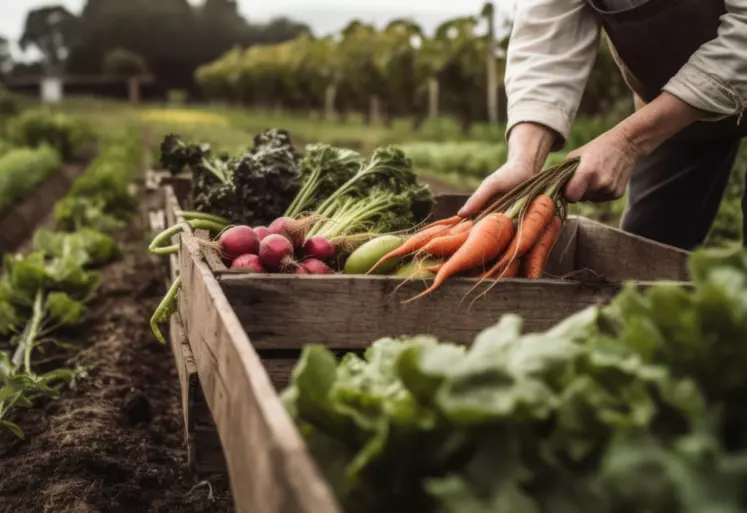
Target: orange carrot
{"x":451,"y":221}
{"x":536,"y":258}
{"x":414,"y":243}
{"x":449,"y":244}
{"x":486,"y":241}
{"x":433,"y":268}
{"x":511,"y":272}
{"x":538,"y":216}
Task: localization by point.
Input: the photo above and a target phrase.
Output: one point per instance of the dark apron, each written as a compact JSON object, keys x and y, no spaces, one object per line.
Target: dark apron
{"x":652,"y":41}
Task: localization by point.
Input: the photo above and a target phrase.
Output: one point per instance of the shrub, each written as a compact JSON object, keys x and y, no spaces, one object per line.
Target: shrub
{"x":23,"y":169}
{"x":69,"y":136}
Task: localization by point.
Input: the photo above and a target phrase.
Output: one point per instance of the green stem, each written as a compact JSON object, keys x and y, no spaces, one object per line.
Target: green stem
{"x":190,"y":215}
{"x":165,"y":309}
{"x":22,"y":354}
{"x":204,"y":224}
{"x":157,"y":244}
{"x":306,"y":191}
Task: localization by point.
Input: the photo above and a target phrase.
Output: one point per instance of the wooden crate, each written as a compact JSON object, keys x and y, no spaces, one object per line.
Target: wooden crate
{"x":244,"y":334}
{"x":21,"y":218}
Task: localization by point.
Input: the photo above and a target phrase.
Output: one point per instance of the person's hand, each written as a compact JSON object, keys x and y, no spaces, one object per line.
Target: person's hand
{"x":528,"y":147}
{"x":604,"y":170}
{"x":510,"y":175}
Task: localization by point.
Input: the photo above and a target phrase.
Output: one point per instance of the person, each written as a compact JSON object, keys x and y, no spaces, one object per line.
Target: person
{"x":685,"y":61}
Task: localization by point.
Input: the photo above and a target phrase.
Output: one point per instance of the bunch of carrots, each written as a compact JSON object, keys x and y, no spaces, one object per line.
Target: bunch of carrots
{"x":512,"y":237}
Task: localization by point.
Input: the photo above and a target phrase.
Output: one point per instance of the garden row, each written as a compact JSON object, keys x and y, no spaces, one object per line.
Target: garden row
{"x":41,"y":153}
{"x":45,"y":292}
{"x":334,"y":392}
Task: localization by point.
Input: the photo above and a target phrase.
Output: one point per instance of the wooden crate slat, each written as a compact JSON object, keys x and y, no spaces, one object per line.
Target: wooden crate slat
{"x":345,"y":312}
{"x":266,"y":457}
{"x":620,"y":255}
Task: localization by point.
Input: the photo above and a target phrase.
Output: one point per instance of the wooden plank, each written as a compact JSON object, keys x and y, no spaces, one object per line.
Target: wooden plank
{"x":618,"y":255}
{"x":178,"y":340}
{"x":348,"y":312}
{"x":563,"y":256}
{"x":279,"y":370}
{"x":181,"y":185}
{"x":266,"y":457}
{"x":212,"y":258}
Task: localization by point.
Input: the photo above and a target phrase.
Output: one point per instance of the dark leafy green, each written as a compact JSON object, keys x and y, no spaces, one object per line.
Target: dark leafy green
{"x":253,"y":189}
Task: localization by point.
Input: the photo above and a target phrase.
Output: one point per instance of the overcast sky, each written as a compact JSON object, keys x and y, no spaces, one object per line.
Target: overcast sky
{"x":324,"y":16}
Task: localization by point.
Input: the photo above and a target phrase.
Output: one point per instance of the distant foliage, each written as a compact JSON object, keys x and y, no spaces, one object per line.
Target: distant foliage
{"x":68,"y":135}
{"x":23,"y":169}
{"x":124,"y":63}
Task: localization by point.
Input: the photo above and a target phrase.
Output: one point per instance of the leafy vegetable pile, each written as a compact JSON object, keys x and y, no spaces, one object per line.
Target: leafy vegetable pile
{"x":255,"y":188}
{"x":634,"y":406}
{"x":339,"y":200}
{"x":351,"y":195}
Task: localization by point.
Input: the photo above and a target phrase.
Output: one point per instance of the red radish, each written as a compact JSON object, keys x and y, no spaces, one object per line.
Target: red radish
{"x":276,"y":252}
{"x":262,"y":232}
{"x":292,"y":229}
{"x":320,"y":248}
{"x":248,"y":263}
{"x":300,"y":269}
{"x":237,"y":241}
{"x":315,"y":266}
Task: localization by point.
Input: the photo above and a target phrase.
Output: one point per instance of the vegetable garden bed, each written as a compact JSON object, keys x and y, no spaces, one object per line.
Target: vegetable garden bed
{"x":19,"y":219}
{"x":240,"y":335}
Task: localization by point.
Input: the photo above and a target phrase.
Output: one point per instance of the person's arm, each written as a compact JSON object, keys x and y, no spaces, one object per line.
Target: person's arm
{"x":551,"y":53}
{"x":714,"y":79}
{"x":712,"y":85}
{"x":550,"y":56}
{"x":606,"y":162}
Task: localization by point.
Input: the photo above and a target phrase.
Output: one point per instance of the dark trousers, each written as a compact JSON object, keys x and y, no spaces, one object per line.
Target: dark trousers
{"x":675,"y":192}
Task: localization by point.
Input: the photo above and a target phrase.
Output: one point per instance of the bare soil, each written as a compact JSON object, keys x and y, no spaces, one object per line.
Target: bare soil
{"x":115,"y":443}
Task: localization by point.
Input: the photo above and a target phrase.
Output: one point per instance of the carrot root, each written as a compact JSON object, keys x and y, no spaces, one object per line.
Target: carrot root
{"x":536,"y":259}
{"x":486,"y":240}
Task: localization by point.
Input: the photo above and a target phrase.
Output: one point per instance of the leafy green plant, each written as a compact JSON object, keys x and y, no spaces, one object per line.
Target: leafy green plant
{"x":634,"y":406}
{"x":23,"y":169}
{"x":42,"y":292}
{"x":68,"y":135}
{"x":49,"y":288}
{"x":100,"y":198}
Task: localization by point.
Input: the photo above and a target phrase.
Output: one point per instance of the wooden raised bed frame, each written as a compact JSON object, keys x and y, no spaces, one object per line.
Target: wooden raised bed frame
{"x":239,"y":335}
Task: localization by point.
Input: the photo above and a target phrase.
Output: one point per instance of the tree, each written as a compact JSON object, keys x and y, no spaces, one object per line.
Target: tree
{"x":488,"y":13}
{"x":164,"y":33}
{"x":396,"y":53}
{"x":50,"y":30}
{"x":6,"y":61}
{"x":124,"y":63}
{"x":221,"y":27}
{"x":172,"y":36}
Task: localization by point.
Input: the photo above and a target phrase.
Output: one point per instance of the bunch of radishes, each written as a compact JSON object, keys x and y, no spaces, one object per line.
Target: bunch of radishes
{"x":279,"y":248}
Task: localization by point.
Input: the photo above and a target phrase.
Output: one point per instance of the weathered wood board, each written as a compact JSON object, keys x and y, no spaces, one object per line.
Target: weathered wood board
{"x":267,"y":460}
{"x":349,"y":312}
